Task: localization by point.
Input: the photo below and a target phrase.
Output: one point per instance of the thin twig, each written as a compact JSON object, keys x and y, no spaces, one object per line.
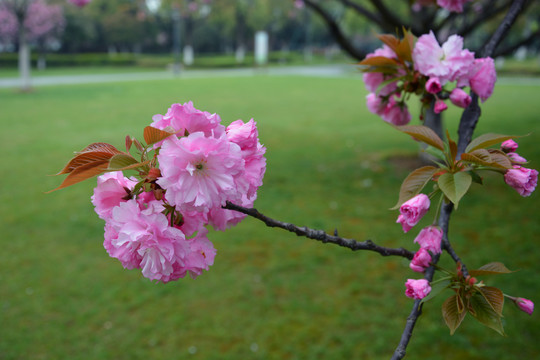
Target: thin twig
{"x":320,"y":235}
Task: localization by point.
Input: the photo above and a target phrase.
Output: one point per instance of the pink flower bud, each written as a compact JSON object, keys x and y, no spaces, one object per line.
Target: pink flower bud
{"x":522,"y":179}
{"x":433,"y":85}
{"x":430,"y":238}
{"x":460,"y":98}
{"x":482,"y":77}
{"x":417,"y":289}
{"x":440,"y":106}
{"x":420,"y":261}
{"x":516,"y":158}
{"x":525,"y":305}
{"x":509,"y":146}
{"x":412,"y":211}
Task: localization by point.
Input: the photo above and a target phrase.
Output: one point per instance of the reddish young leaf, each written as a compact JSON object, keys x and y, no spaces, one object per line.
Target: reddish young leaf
{"x":405,"y":46}
{"x":452,"y":317}
{"x":83,"y":172}
{"x":494,"y":268}
{"x":494,"y":297}
{"x":414,"y":183}
{"x":103,"y":147}
{"x":379,"y":61}
{"x":423,"y":133}
{"x":153,"y":135}
{"x":390,"y":40}
{"x":129,"y":142}
{"x":84,"y":158}
{"x":500,"y":159}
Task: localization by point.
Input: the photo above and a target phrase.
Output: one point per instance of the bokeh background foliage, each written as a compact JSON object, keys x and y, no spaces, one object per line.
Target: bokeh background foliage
{"x":270,"y":295}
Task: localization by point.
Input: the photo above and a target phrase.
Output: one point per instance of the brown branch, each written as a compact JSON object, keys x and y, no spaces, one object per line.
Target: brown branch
{"x":320,"y":235}
{"x":390,"y":19}
{"x":362,"y":11}
{"x":510,"y":49}
{"x":416,"y":311}
{"x":336,"y":31}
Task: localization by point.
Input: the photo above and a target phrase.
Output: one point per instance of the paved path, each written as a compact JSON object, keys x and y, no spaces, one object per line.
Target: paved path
{"x":319,"y":71}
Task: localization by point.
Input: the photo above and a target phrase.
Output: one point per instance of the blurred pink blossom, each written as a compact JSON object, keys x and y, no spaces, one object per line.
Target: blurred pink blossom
{"x":417,"y":289}
{"x":460,"y":98}
{"x":430,"y":239}
{"x":523,"y":180}
{"x":412,"y":211}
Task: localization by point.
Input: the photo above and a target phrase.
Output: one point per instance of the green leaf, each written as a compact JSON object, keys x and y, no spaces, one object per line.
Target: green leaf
{"x":485,"y":314}
{"x":153,"y":135}
{"x":494,"y":268}
{"x":486,"y":140}
{"x":414,"y":183}
{"x":120,"y":161}
{"x":423,"y":133}
{"x":436,"y":289}
{"x":454,"y":186}
{"x":475,"y":177}
{"x":494,"y":297}
{"x":452,"y":317}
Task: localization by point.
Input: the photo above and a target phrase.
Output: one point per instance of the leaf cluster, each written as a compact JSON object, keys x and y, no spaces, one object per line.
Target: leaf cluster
{"x":455,"y":172}
{"x":98,"y":158}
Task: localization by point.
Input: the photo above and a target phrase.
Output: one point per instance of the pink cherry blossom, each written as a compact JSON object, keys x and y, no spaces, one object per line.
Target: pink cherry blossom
{"x":420,"y":261}
{"x":447,"y":63}
{"x":522,"y":179}
{"x":184,"y":117}
{"x":243,"y":134}
{"x":509,"y":146}
{"x":9,"y":24}
{"x":417,"y":289}
{"x":440,"y":106}
{"x":112,"y":189}
{"x":145,"y":240}
{"x":482,"y":77}
{"x":525,"y":305}
{"x":412,"y":211}
{"x":460,"y":98}
{"x":246,"y":136}
{"x":200,"y":172}
{"x":430,"y":239}
{"x":433,"y":85}
{"x":201,"y":255}
{"x":452,"y":5}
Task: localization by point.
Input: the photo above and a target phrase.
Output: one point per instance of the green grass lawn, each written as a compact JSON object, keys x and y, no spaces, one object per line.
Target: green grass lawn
{"x":270,"y":294}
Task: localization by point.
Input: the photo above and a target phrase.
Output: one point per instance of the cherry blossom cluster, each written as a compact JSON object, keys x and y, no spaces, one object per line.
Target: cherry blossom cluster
{"x":159,"y":224}
{"x":434,"y":72}
{"x":42,"y":21}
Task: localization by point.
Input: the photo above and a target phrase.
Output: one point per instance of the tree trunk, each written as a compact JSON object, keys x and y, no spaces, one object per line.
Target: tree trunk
{"x":24,"y":60}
